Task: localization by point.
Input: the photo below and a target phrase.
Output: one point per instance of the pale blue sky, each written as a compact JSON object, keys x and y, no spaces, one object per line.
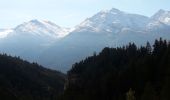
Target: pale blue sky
{"x":69,"y":13}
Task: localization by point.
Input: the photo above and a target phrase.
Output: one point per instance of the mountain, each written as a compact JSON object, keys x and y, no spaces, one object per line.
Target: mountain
{"x":160,"y":19}
{"x":42,"y":28}
{"x":123,"y":73}
{"x":113,"y":21}
{"x":58,"y":48}
{"x":31,"y":38}
{"x":21,"y":80}
{"x":162,"y":16}
{"x":110,"y":28}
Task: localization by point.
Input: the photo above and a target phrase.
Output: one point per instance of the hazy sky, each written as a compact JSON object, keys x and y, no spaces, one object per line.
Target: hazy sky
{"x":69,"y":13}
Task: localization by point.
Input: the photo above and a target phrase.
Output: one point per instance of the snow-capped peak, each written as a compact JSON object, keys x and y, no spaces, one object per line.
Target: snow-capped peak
{"x":42,"y":28}
{"x":162,"y":16}
{"x":158,"y":13}
{"x":113,"y":20}
{"x":115,"y":10}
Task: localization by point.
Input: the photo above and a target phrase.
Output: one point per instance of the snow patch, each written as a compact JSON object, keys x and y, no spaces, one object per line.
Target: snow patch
{"x":5,"y":33}
{"x":167,"y":20}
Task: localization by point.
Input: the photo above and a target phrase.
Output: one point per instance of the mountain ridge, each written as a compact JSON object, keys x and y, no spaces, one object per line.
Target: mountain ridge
{"x":110,"y":28}
{"x":161,"y":15}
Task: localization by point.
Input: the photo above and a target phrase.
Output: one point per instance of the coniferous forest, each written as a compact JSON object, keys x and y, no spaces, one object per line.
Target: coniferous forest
{"x":21,"y":80}
{"x":123,"y":73}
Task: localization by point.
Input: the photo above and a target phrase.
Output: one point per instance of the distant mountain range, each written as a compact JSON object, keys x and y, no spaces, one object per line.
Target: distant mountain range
{"x":58,"y":48}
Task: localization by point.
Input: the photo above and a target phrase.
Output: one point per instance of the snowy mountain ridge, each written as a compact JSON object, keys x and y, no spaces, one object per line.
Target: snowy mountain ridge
{"x":113,"y":21}
{"x":38,"y":28}
{"x":58,"y":48}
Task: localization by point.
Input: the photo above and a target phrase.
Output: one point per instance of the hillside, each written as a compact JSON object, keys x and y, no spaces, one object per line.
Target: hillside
{"x":21,"y":80}
{"x":123,"y":73}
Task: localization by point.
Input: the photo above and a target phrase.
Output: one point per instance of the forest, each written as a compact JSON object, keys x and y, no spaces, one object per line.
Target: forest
{"x":21,"y":80}
{"x":123,"y":73}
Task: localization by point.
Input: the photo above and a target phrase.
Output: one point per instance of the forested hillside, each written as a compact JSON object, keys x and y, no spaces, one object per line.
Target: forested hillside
{"x":21,"y":80}
{"x":123,"y":73}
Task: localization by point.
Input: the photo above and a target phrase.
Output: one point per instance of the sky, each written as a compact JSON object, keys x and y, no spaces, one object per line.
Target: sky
{"x":69,"y":13}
